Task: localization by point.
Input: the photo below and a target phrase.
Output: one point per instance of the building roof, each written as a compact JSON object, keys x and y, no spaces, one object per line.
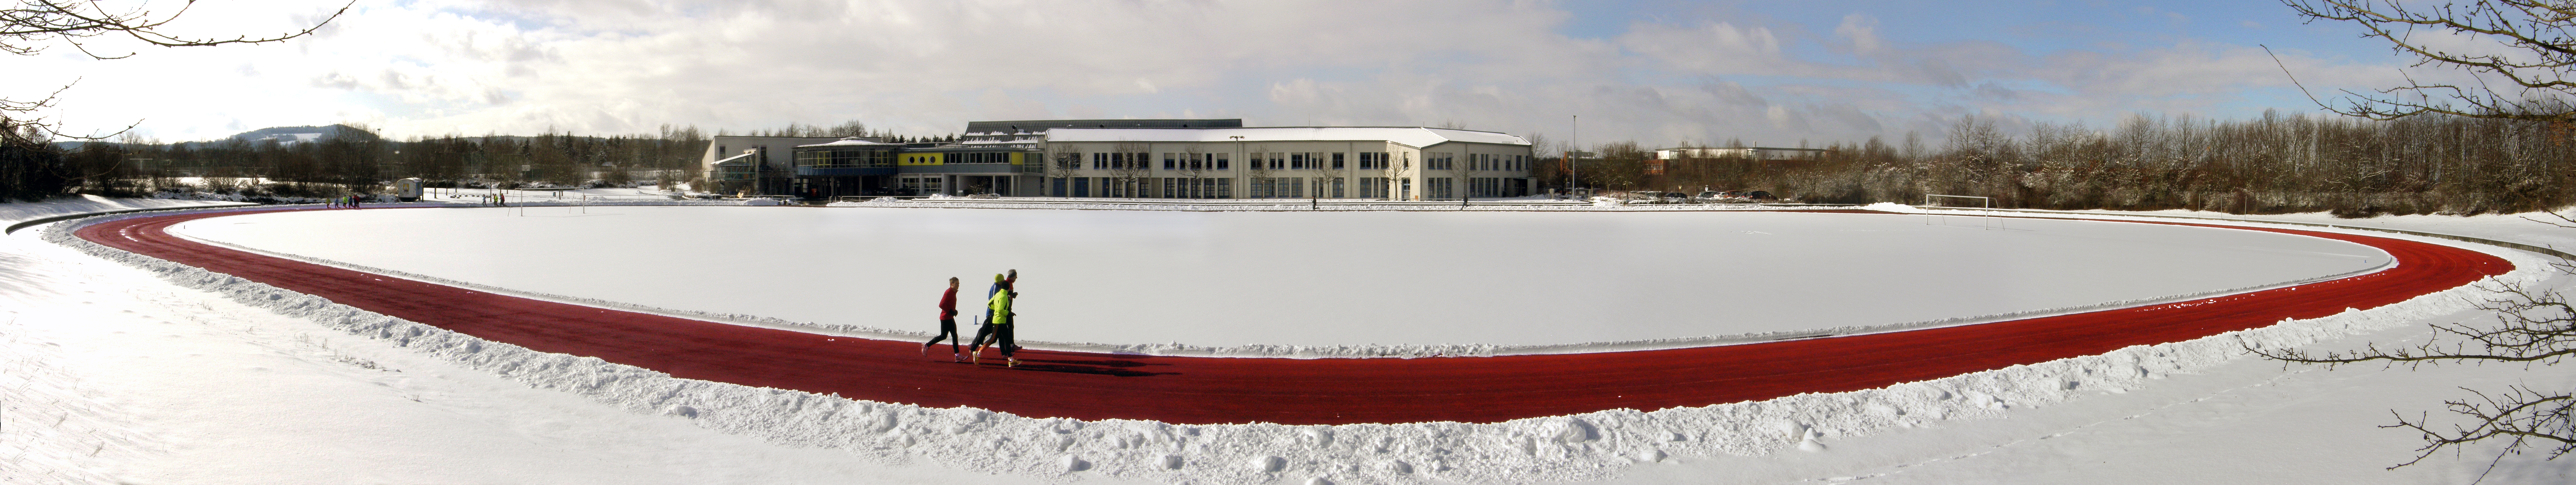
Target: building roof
{"x":1409,"y":136}
{"x":854,"y":142}
{"x":1041,"y":126}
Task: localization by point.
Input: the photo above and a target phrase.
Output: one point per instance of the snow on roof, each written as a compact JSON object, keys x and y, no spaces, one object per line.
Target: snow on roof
{"x":853,"y":141}
{"x":1410,"y":136}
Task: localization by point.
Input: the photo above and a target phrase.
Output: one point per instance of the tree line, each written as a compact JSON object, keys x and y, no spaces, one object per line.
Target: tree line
{"x":352,"y":160}
{"x":2271,"y":164}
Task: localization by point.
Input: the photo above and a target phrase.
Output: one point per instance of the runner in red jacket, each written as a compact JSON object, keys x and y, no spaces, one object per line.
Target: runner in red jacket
{"x":947,"y":323}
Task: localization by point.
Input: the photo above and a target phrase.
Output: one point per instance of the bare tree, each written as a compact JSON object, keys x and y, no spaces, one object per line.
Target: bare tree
{"x":1194,"y":166}
{"x":1256,"y":173}
{"x":1062,"y":161}
{"x":1130,"y":176}
{"x":2527,"y":45}
{"x":1395,"y":170}
{"x":2518,"y":69}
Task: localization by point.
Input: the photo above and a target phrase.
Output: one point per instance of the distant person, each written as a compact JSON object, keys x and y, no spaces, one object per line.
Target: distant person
{"x":947,"y":325}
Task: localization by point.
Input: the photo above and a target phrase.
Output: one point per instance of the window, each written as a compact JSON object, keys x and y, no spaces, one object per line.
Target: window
{"x":1372,"y":187}
{"x":1082,"y":186}
{"x":1337,"y":181}
{"x":1337,"y":160}
{"x":1220,"y":161}
{"x":1296,"y":161}
{"x":1168,"y":162}
{"x":1439,"y":188}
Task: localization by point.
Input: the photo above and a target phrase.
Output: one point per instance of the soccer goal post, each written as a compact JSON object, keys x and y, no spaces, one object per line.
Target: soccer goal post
{"x":1988,"y":208}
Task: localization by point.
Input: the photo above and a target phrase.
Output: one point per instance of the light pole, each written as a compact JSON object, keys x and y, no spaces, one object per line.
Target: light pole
{"x":1238,"y":157}
{"x":1575,"y":145}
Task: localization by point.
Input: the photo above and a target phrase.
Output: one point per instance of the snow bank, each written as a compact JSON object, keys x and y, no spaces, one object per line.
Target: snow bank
{"x":1303,"y":205}
{"x":1893,"y":207}
{"x":1586,"y":446}
{"x":13,"y":213}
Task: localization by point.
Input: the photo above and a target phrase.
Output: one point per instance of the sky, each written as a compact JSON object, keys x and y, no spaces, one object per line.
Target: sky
{"x":1660,"y":73}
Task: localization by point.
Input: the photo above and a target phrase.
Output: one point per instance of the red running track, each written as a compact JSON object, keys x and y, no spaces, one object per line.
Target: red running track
{"x":1205,"y":390}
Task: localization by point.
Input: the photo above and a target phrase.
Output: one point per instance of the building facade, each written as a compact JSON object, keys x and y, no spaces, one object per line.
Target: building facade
{"x":1182,"y":159}
{"x":752,"y":165}
{"x":1398,"y":163}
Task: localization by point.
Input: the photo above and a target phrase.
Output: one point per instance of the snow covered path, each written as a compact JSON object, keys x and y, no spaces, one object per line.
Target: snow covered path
{"x":1310,"y":391}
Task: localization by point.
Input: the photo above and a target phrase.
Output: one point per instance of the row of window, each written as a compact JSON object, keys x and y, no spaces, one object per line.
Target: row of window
{"x":1263,"y":187}
{"x":1297,"y":161}
{"x":1290,"y":187}
{"x":1150,"y":187}
{"x":845,"y":158}
{"x":1116,"y":161}
{"x":975,"y":157}
{"x":921,"y":185}
{"x":1476,"y":161}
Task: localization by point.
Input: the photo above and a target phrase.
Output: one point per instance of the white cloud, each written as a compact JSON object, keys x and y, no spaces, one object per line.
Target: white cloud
{"x":1861,"y":30}
{"x":430,"y":67}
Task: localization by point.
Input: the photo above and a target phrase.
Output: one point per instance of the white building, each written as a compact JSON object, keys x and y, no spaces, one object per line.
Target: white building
{"x":1400,"y":163}
{"x":1200,"y":159}
{"x":757,"y":165}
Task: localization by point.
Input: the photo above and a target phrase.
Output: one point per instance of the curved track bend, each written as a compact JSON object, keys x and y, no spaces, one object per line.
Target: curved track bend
{"x":1205,"y":390}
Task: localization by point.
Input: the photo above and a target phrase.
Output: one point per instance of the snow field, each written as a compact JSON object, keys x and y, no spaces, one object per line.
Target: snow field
{"x":1306,"y":284}
{"x":1590,"y":446}
{"x":55,"y":427}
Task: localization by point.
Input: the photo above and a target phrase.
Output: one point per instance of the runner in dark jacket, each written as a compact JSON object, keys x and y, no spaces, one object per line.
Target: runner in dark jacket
{"x":947,"y":324}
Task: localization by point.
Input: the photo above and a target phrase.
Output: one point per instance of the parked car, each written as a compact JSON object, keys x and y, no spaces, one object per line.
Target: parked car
{"x":1673,"y":198}
{"x":1760,"y":195}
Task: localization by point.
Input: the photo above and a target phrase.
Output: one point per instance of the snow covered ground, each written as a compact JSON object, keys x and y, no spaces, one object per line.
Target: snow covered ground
{"x":1227,"y":279}
{"x":13,"y":213}
{"x":116,"y":375}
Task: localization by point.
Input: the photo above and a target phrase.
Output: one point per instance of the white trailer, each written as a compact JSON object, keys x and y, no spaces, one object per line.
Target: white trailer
{"x":407,"y":190}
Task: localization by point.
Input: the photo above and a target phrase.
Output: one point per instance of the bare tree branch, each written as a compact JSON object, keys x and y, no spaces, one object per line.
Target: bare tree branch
{"x":2533,"y":327}
{"x":2537,"y":52}
{"x":29,"y":25}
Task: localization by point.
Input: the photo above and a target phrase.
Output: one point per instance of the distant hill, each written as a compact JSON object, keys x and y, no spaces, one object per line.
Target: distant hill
{"x":291,"y":135}
{"x":286,"y":135}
